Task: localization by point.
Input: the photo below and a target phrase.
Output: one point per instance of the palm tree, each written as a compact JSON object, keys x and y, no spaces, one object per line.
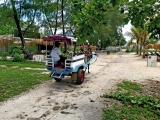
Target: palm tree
{"x":145,"y":36}
{"x":140,"y":35}
{"x":130,"y":42}
{"x":135,"y":35}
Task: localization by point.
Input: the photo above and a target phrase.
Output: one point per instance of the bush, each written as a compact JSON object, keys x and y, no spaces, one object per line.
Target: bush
{"x":4,"y":56}
{"x":32,"y":48}
{"x":133,"y":50}
{"x":11,"y":47}
{"x":18,"y":58}
{"x":127,"y":50}
{"x":17,"y":55}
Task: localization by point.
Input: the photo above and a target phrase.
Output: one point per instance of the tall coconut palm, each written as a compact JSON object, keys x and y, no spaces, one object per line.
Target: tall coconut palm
{"x":140,"y":35}
{"x":130,"y":42}
{"x":144,"y":37}
{"x":135,"y":35}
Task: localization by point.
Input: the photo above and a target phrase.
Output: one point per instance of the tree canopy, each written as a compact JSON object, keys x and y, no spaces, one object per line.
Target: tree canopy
{"x":89,"y":19}
{"x":143,"y":14}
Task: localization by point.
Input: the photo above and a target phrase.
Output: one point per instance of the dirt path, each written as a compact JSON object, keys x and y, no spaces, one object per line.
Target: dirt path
{"x":66,"y":101}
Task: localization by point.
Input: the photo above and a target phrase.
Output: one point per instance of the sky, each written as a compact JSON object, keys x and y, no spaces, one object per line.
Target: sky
{"x":126,"y":28}
{"x":1,"y":1}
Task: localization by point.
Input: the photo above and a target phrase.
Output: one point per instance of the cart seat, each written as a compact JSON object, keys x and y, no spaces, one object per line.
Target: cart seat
{"x":58,"y":66}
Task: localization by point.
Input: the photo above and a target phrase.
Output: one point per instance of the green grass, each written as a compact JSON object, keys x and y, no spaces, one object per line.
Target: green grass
{"x":135,"y":105}
{"x":127,"y":85}
{"x":14,"y":81}
{"x":129,"y":113}
{"x":150,"y":50}
{"x":24,"y":64}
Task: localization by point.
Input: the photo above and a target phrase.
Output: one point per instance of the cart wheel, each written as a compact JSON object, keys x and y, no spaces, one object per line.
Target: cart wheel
{"x":57,"y":79}
{"x":80,"y":76}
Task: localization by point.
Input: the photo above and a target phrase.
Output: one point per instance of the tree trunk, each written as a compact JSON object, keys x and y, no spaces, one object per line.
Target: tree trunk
{"x":63,"y":29}
{"x":137,"y":47}
{"x":62,"y":6}
{"x":144,"y":44}
{"x":28,"y":55}
{"x":55,"y":29}
{"x":140,"y":51}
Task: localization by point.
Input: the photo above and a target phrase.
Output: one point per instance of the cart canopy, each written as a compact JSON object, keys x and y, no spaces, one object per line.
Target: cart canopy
{"x":58,"y":38}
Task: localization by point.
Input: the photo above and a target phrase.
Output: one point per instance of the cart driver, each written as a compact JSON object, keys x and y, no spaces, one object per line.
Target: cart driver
{"x":57,"y":55}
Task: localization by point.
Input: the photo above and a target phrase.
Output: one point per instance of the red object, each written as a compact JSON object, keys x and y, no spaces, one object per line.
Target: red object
{"x":57,"y":38}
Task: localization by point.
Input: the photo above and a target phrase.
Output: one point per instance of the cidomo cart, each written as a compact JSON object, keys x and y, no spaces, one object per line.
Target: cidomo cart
{"x":75,"y":65}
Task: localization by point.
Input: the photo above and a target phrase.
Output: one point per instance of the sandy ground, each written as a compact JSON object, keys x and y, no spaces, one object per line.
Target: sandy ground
{"x":67,"y":101}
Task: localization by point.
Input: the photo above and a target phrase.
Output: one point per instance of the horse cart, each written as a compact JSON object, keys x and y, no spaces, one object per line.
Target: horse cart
{"x":75,"y":64}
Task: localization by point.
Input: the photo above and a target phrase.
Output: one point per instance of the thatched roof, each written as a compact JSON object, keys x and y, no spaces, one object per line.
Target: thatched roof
{"x":37,"y":42}
{"x":156,"y":46}
{"x":86,"y":47}
{"x":8,"y":37}
{"x":5,"y":42}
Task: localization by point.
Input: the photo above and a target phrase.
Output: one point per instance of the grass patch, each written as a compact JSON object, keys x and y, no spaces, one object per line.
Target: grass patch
{"x":150,"y":50}
{"x":129,"y":113}
{"x":31,"y":64}
{"x":135,"y":104}
{"x":130,"y":86}
{"x":14,"y":81}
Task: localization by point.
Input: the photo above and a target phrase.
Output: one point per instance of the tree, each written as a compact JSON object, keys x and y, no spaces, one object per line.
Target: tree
{"x":96,"y":20}
{"x":50,"y":16}
{"x":87,"y":16}
{"x":143,"y":14}
{"x":23,"y":15}
{"x":151,"y":41}
{"x":6,"y":22}
{"x":18,"y":24}
{"x":89,"y":19}
{"x":140,"y":36}
{"x":130,"y":42}
{"x":135,"y":35}
{"x":18,"y":27}
{"x":144,"y":36}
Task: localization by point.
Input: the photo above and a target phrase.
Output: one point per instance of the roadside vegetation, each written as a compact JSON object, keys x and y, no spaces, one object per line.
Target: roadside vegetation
{"x":128,"y":50}
{"x":31,"y":64}
{"x":15,"y":79}
{"x":132,"y":102}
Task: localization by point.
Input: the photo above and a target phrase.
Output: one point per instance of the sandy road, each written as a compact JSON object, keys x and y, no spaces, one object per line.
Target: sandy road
{"x":67,"y":101}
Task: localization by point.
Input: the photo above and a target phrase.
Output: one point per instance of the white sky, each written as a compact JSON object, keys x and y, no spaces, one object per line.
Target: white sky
{"x":127,"y":28}
{"x":1,"y":1}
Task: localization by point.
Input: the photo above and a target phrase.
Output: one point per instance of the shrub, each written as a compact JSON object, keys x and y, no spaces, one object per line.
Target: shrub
{"x":133,"y":50}
{"x":18,"y":58}
{"x":32,"y":48}
{"x":4,"y":56}
{"x":11,"y":47}
{"x":127,"y":50}
{"x":17,"y":55}
{"x":132,"y":103}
